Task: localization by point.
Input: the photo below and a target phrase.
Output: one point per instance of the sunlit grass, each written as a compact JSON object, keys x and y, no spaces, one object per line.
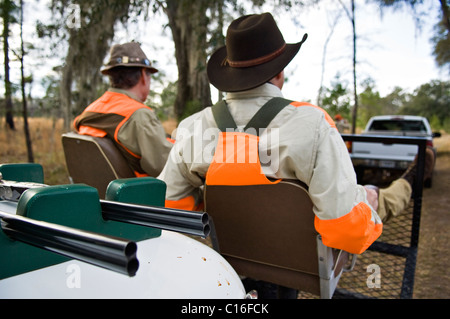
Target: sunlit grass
{"x":46,"y":143}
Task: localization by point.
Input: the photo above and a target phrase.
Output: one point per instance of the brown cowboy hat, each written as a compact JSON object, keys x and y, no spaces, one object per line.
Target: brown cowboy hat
{"x":254,"y":53}
{"x":129,"y":55}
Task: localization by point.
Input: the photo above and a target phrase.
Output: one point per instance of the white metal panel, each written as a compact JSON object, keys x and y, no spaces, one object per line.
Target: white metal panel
{"x":170,"y":266}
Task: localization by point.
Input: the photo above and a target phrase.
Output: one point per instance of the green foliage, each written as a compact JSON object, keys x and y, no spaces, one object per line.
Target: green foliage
{"x":446,"y":125}
{"x":9,"y":11}
{"x":371,"y":103}
{"x":336,"y":100}
{"x":164,"y":102}
{"x":431,"y":100}
{"x":191,"y":108}
{"x":441,"y":42}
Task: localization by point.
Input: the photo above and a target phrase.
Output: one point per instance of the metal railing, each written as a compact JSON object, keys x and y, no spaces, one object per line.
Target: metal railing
{"x":396,"y":249}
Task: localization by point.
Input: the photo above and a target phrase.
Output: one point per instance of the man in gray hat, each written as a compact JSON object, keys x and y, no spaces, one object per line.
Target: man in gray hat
{"x":120,"y":113}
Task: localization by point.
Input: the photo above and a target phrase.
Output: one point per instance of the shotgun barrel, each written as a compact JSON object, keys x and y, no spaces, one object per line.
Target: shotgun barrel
{"x":108,"y":252}
{"x":188,"y":222}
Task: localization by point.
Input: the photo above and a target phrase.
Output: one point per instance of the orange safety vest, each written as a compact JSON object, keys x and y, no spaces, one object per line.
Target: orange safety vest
{"x":229,"y":167}
{"x":105,"y":117}
{"x":236,"y":162}
{"x":236,"y":158}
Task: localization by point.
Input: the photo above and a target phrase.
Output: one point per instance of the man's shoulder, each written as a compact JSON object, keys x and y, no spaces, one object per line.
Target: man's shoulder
{"x":143,"y":115}
{"x":314,"y":110}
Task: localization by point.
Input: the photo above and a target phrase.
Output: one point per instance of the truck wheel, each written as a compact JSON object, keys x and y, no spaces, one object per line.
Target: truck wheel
{"x":360,"y":174}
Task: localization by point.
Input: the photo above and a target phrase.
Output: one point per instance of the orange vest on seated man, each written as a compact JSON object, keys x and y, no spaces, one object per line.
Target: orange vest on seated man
{"x":354,"y":232}
{"x":106,"y":116}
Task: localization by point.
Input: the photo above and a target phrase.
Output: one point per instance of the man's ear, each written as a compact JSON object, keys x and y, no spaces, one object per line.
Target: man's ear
{"x":142,"y":75}
{"x":278,"y":80}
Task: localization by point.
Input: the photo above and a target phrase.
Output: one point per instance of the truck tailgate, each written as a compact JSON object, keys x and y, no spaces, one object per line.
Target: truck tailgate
{"x":382,"y":151}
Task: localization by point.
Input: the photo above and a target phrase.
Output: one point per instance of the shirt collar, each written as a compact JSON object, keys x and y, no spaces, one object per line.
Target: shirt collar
{"x":127,"y":93}
{"x":267,"y":89}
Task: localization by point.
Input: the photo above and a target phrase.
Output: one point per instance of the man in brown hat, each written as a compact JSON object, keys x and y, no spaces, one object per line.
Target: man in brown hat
{"x":120,"y":113}
{"x":301,"y":138}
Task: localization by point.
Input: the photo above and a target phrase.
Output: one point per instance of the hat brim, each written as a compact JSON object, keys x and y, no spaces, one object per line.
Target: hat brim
{"x":105,"y":70}
{"x":231,"y":79}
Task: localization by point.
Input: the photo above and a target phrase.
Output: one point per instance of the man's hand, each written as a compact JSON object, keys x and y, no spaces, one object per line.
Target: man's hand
{"x":372,"y":197}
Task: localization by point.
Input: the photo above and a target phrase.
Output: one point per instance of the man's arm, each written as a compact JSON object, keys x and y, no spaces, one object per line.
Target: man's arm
{"x":345,"y":217}
{"x":144,"y":135}
{"x":183,"y":186}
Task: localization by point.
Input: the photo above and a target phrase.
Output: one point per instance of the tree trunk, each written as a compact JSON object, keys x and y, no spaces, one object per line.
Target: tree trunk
{"x":66,"y":92}
{"x":6,"y":11}
{"x":24,"y":97}
{"x":88,"y":46}
{"x":445,"y":14}
{"x":351,"y":16}
{"x":189,"y":24}
{"x":355,"y":107}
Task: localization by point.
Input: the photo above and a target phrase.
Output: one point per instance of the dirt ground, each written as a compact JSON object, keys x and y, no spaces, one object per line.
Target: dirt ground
{"x":432,"y":279}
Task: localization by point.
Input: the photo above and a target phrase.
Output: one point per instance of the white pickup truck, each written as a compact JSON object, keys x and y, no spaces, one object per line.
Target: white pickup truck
{"x":385,"y":156}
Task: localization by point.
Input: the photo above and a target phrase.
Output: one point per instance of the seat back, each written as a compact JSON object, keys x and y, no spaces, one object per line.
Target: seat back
{"x":94,"y":161}
{"x":22,"y":172}
{"x":266,"y":232}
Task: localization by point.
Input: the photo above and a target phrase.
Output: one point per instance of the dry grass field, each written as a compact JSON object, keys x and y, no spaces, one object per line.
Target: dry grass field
{"x":47,"y":148}
{"x":432,"y":272}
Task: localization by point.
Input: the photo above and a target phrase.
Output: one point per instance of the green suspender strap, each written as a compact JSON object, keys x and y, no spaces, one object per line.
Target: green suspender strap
{"x":260,"y":120}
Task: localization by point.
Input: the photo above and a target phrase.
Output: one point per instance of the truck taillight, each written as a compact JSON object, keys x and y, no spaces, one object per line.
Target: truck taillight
{"x":430,"y":143}
{"x":349,"y":146}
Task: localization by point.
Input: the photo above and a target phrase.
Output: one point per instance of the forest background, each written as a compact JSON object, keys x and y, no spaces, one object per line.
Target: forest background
{"x":72,"y":38}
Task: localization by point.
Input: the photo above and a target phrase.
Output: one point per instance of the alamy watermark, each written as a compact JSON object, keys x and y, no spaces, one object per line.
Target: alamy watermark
{"x":73,"y":279}
{"x":374,"y":279}
{"x":74,"y":18}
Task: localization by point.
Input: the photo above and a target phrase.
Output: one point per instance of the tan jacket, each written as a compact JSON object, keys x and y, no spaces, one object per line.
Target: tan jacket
{"x":132,"y":125}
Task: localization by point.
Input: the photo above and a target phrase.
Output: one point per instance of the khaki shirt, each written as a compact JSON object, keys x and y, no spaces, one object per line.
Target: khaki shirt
{"x":144,"y":135}
{"x":300,"y":143}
